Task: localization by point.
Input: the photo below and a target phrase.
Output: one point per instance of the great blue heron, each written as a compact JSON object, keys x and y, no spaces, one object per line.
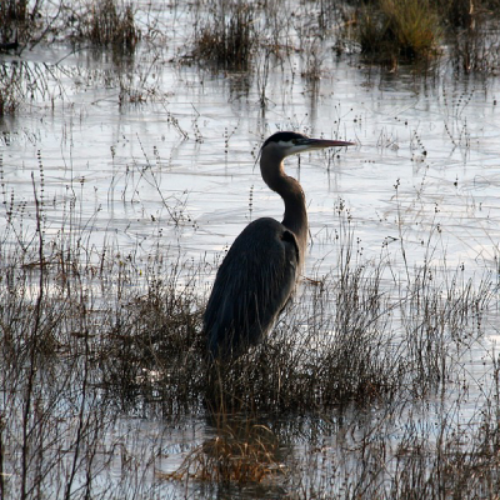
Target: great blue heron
{"x":258,"y":274}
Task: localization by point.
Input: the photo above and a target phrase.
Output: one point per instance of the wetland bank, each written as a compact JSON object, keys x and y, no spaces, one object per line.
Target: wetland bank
{"x":128,"y":147}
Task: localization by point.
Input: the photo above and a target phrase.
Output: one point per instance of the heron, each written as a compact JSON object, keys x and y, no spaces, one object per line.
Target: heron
{"x":259,"y":272}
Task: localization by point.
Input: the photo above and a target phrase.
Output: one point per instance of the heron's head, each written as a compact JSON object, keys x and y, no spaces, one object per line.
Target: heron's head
{"x":285,"y":144}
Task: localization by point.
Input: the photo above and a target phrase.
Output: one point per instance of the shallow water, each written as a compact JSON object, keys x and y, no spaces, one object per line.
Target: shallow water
{"x":177,"y":173}
{"x":127,"y":167}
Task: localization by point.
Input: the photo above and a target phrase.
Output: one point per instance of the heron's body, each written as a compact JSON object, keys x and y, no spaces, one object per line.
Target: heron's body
{"x":258,"y":274}
{"x":253,"y":285}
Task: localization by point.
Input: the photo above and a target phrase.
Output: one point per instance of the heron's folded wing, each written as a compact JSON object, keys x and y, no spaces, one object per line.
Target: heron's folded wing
{"x":253,"y":284}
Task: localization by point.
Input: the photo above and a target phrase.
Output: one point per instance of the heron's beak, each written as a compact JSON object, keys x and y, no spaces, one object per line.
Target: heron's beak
{"x":325,"y":143}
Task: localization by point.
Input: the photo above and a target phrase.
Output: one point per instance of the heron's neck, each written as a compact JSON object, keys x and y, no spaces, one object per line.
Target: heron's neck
{"x":295,"y":218}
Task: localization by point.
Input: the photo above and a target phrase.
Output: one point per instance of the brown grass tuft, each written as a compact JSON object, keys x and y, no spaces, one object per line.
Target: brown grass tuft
{"x":392,"y":31}
{"x":227,"y":38}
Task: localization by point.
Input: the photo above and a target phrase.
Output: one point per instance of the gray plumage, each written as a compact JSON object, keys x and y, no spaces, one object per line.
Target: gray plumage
{"x":258,"y":274}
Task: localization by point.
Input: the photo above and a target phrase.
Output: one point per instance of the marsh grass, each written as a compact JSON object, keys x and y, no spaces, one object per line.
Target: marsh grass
{"x":475,"y":49}
{"x":108,"y":24}
{"x":418,"y":30}
{"x":88,"y":335}
{"x":227,"y":38}
{"x":105,"y":23}
{"x":247,"y":36}
{"x":22,"y":83}
{"x":9,"y":96}
{"x":349,"y":339}
{"x":472,"y":36}
{"x":13,"y":16}
{"x":391,"y":31}
{"x":18,"y":20}
{"x":153,"y":352}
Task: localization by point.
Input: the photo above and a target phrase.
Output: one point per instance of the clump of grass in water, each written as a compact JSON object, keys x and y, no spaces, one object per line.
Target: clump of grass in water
{"x":227,"y":38}
{"x":17,"y":23}
{"x":106,"y":25}
{"x":153,"y":349}
{"x":392,"y":31}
